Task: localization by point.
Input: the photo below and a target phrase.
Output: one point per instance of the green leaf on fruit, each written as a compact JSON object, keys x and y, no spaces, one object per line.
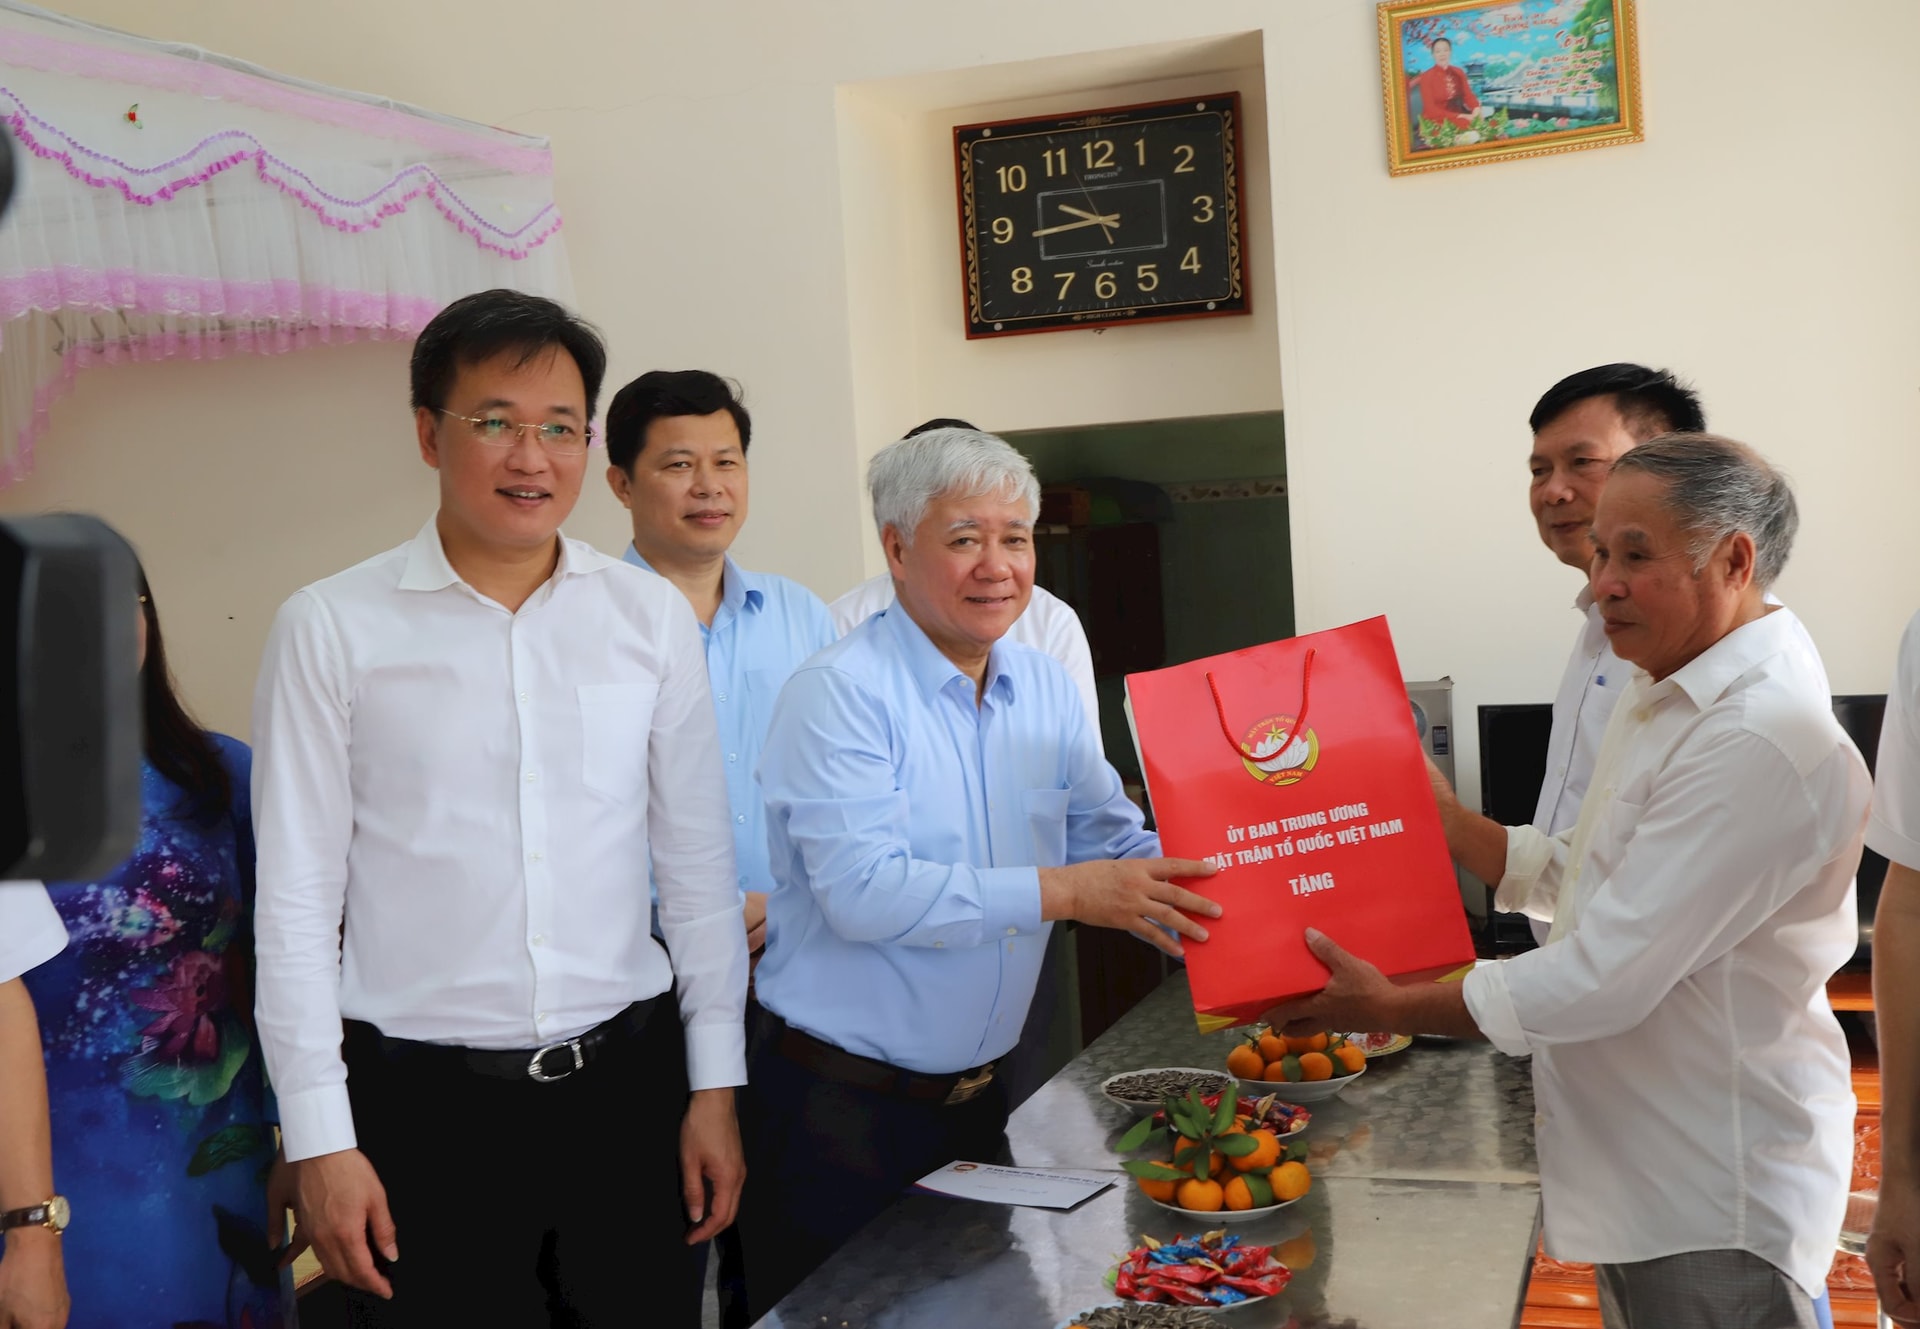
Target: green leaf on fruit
{"x":1137,"y":1136}
{"x":1290,"y":1069}
{"x":1139,"y":1167}
{"x":1260,"y":1189}
{"x":1236,"y":1146}
{"x":1223,"y":1115}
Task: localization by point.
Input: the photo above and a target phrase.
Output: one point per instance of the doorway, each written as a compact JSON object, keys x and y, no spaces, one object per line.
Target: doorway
{"x":1170,"y":539}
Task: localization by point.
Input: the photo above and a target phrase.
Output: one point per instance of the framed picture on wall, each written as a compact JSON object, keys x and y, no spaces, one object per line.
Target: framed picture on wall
{"x":1469,"y":81}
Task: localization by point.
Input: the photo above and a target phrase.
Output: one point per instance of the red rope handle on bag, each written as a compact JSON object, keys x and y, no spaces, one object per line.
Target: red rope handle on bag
{"x":1299,"y":720}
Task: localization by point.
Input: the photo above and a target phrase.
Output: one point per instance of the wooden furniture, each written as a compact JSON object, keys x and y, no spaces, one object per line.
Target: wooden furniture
{"x":1561,"y":1295}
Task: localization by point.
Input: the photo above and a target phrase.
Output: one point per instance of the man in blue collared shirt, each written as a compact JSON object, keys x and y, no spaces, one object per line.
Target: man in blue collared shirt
{"x":677,"y":460}
{"x":935,"y":800}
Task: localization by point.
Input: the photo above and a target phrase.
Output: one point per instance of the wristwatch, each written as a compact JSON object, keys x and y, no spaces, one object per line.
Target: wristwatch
{"x":53,"y":1215}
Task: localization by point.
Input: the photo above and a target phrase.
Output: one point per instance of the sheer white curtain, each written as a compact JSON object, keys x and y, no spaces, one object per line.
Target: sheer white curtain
{"x":175,"y":203}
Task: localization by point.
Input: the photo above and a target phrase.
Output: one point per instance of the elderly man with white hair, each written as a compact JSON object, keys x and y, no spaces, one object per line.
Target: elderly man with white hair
{"x":936,"y":799}
{"x":1695,"y":1123}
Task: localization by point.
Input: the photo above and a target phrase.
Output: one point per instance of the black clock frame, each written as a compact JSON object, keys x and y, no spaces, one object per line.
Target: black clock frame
{"x":1226,"y":105}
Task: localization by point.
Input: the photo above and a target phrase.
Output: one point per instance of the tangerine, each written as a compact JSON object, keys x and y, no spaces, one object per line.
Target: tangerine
{"x":1311,"y":1043}
{"x":1276,"y":1071}
{"x":1217,"y":1165}
{"x":1316,"y":1066}
{"x":1201,"y":1196}
{"x":1236,"y":1194}
{"x":1244,"y":1062}
{"x":1159,"y":1190}
{"x":1266,"y":1155}
{"x":1351,"y":1058}
{"x":1290,"y":1181}
{"x":1272,"y":1047}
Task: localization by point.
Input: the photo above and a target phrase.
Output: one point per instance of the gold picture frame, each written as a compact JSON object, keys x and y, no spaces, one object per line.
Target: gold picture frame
{"x":1517,"y":78}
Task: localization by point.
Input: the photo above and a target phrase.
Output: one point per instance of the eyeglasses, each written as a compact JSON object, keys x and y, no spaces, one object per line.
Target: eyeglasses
{"x":562,"y":440}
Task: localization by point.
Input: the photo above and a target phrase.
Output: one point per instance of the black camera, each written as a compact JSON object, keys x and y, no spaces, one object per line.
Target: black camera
{"x":69,"y":688}
{"x":6,"y":171}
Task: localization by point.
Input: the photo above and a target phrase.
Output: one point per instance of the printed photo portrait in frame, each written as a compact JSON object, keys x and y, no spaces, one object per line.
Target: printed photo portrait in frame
{"x":1469,"y":81}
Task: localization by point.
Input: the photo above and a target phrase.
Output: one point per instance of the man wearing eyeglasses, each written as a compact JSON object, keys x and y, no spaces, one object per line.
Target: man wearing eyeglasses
{"x":469,"y":751}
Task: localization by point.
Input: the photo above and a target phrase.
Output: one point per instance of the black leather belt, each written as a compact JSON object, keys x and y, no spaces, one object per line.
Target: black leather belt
{"x":836,"y":1063}
{"x":555,"y":1061}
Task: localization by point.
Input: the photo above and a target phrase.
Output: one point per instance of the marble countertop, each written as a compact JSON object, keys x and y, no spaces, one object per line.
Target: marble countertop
{"x":1423,"y":1209}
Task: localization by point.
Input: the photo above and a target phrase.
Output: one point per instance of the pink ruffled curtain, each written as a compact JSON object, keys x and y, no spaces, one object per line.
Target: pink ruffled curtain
{"x":176,"y":203}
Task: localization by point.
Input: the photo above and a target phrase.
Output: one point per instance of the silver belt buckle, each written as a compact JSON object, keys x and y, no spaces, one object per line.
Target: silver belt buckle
{"x":536,"y":1072}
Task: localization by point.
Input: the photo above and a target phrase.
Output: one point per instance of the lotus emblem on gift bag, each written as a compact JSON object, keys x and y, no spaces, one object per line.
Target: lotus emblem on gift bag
{"x":1272,"y":753}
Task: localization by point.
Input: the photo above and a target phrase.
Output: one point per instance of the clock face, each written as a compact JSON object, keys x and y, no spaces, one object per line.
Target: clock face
{"x":1108,"y":216}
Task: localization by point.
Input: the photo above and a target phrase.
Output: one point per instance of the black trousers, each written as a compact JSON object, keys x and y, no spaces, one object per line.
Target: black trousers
{"x":824,"y":1159}
{"x":526,"y":1204}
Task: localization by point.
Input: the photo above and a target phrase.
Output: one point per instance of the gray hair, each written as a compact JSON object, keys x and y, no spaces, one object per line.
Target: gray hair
{"x":905,"y":478}
{"x":1718,"y":487}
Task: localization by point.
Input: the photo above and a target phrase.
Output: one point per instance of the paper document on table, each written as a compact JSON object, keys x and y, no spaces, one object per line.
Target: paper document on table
{"x":1035,"y":1187}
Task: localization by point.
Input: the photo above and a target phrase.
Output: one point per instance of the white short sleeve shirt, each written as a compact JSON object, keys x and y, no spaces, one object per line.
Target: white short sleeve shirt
{"x":1893,"y":831}
{"x":31,"y":932}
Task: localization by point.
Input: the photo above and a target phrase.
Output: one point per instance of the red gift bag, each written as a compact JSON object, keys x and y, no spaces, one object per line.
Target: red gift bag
{"x":1296,"y":767}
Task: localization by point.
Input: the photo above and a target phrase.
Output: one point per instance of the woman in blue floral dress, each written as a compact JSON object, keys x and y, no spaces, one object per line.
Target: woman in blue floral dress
{"x":161,"y":1133}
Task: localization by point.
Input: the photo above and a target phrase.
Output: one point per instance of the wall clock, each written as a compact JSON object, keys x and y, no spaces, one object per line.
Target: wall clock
{"x":1126,"y":215}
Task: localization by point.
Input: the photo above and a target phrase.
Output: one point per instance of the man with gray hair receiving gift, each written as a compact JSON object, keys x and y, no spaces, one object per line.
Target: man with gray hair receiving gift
{"x":1695,"y":1124}
{"x":936,"y":799}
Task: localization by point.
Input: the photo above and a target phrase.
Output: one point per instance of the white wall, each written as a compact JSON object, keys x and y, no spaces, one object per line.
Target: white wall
{"x":910,"y":356}
{"x":1768,"y":253}
{"x":1762,"y":247}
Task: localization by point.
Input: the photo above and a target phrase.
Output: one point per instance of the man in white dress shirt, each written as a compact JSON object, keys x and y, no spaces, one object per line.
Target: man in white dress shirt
{"x":1048,"y":624}
{"x":1893,"y":1249}
{"x":33,"y":1285}
{"x":1581,"y":426}
{"x":1695,"y":1108}
{"x":467,"y":752}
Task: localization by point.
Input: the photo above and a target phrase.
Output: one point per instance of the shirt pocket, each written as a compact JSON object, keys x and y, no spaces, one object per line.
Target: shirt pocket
{"x":616,"y":724}
{"x":1046,"y":811}
{"x":763,"y":689}
{"x":1608,"y":848}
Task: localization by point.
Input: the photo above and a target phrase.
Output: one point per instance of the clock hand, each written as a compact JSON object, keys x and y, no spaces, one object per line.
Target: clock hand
{"x":1103,"y":223}
{"x":1111,"y":219}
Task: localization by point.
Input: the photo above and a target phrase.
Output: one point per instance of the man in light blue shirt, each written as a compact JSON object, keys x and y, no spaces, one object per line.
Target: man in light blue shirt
{"x":677,"y":460}
{"x":936,"y":800}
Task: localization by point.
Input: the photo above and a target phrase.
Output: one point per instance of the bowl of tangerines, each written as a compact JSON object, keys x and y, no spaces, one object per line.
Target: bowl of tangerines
{"x":1303,"y":1070}
{"x":1214,"y":1162}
